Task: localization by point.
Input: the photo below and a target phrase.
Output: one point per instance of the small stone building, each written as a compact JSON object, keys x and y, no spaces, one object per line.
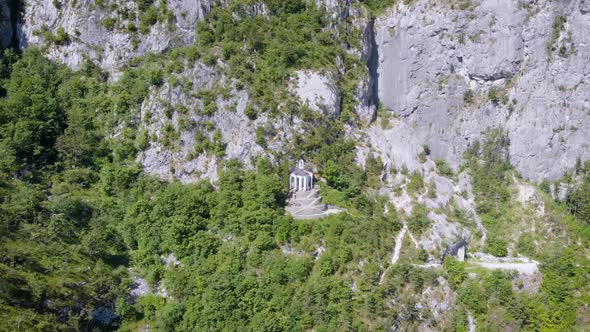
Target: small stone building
{"x":300,"y":179}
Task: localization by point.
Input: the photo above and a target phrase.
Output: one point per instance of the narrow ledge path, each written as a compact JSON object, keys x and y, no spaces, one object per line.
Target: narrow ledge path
{"x":396,"y":251}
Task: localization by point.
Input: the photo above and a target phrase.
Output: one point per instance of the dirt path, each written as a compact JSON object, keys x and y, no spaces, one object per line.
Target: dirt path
{"x":521,"y":264}
{"x":436,"y":266}
{"x":471,"y":322}
{"x":398,"y":244}
{"x":523,"y":268}
{"x":416,"y":244}
{"x":396,"y":251}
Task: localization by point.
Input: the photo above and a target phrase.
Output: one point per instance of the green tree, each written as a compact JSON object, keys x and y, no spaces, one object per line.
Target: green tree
{"x":578,"y":201}
{"x":31,"y":117}
{"x":455,"y":270}
{"x":418,"y":220}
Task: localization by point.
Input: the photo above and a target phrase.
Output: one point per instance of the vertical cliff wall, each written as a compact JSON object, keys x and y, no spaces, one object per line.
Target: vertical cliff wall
{"x":450,"y":71}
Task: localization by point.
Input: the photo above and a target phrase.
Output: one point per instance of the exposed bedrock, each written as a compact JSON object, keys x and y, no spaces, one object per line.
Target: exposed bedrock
{"x":449,"y":73}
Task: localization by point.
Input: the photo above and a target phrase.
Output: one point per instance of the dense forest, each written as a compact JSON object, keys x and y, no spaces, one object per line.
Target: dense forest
{"x":80,"y":221}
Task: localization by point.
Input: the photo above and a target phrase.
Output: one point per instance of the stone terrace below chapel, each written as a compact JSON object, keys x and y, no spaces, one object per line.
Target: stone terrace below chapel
{"x":305,"y":201}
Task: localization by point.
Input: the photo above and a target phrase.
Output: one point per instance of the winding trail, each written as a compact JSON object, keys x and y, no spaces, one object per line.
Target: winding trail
{"x":398,"y":244}
{"x":416,"y":244}
{"x":522,"y":265}
{"x":471,"y":322}
{"x":396,"y":251}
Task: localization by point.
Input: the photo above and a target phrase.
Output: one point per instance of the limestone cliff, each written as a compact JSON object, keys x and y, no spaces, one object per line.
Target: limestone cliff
{"x":109,"y":33}
{"x":413,"y":85}
{"x":449,"y":70}
{"x":446,"y":70}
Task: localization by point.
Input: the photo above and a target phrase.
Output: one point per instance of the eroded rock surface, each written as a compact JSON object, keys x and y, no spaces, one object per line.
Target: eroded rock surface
{"x":447,"y":71}
{"x":182,"y":158}
{"x":91,"y":37}
{"x":432,"y":54}
{"x":317,"y":91}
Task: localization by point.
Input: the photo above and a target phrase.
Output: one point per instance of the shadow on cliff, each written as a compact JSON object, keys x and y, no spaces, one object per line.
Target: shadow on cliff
{"x":373,"y":65}
{"x":16,"y":12}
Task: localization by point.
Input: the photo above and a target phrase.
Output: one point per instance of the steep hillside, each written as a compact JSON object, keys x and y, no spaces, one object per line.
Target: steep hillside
{"x":449,"y":70}
{"x":147,"y":144}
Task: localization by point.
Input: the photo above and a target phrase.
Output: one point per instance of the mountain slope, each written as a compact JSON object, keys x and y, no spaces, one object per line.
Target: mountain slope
{"x":146,"y":148}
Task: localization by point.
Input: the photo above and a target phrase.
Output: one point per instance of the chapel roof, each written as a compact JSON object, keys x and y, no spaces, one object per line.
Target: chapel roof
{"x":300,"y":172}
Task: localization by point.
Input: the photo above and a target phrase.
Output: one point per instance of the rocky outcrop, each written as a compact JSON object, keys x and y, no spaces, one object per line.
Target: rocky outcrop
{"x":181,"y":130}
{"x":178,"y":140}
{"x":337,"y":8}
{"x":109,"y":34}
{"x":316,"y":91}
{"x":451,"y":72}
{"x":445,"y":71}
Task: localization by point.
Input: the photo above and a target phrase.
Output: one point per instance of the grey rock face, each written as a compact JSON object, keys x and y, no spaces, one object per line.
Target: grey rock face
{"x":239,"y":133}
{"x":110,"y":48}
{"x":422,"y":59}
{"x":317,"y":91}
{"x":367,"y":92}
{"x":338,"y":8}
{"x":5,"y":25}
{"x":431,"y":54}
{"x":178,"y":160}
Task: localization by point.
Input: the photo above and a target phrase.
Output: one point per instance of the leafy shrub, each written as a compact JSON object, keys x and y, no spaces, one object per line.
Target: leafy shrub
{"x":578,"y":201}
{"x":251,"y":112}
{"x":416,"y":183}
{"x":496,"y":247}
{"x":61,"y":36}
{"x":378,"y":6}
{"x":489,"y":176}
{"x":333,"y":176}
{"x":260,"y":136}
{"x":374,"y":167}
{"x":218,"y":144}
{"x":466,"y":5}
{"x":149,"y":17}
{"x":418,"y":221}
{"x":455,"y":270}
{"x":144,"y":4}
{"x":468,"y":96}
{"x":493,"y":96}
{"x":142,"y":140}
{"x":422,"y":157}
{"x":526,"y":245}
{"x":443,"y":167}
{"x":210,"y":109}
{"x":558,"y":26}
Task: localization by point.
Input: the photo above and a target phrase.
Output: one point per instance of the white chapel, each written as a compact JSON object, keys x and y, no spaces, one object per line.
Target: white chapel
{"x":300,"y":179}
